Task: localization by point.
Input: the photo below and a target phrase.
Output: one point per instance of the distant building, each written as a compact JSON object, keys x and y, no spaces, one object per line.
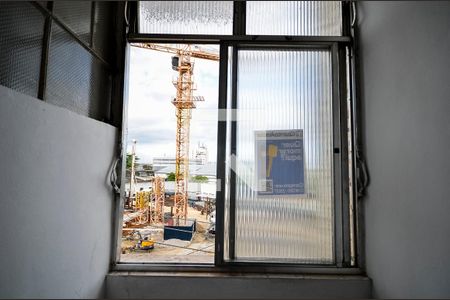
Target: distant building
{"x":198,"y":164}
{"x":141,"y":174}
{"x":201,"y":153}
{"x":208,"y":170}
{"x":162,"y":162}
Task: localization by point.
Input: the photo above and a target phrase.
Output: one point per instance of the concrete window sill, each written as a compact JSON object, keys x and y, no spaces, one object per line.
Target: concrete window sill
{"x":194,"y":285}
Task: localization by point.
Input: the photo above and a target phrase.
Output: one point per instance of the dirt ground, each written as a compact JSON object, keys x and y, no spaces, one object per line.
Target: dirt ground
{"x":199,"y":250}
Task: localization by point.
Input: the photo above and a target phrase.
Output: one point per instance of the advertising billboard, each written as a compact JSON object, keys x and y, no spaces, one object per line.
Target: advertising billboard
{"x":279,"y":162}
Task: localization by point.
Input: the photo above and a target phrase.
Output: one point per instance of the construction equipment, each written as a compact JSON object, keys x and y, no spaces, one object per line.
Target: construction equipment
{"x":143,"y":243}
{"x":184,"y":102}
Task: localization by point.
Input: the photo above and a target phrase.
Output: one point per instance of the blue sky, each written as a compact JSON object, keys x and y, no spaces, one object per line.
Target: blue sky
{"x":151,"y":115}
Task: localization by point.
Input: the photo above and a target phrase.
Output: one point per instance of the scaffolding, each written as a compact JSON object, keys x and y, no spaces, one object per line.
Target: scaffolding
{"x":157,"y":205}
{"x":143,"y":207}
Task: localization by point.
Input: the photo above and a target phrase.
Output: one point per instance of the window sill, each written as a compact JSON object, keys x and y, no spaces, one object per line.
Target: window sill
{"x":235,"y":269}
{"x":221,"y":285}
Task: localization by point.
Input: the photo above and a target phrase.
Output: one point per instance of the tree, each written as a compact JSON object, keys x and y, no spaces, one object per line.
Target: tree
{"x":200,"y":178}
{"x":129,"y":160}
{"x":171,"y":176}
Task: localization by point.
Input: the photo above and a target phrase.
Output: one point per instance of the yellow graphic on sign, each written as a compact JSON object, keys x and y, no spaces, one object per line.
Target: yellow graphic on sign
{"x":272,"y":152}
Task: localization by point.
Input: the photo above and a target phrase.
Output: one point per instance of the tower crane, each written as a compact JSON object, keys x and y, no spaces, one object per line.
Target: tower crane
{"x":184,"y":102}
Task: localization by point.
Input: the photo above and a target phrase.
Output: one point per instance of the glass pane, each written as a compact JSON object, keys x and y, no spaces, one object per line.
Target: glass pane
{"x":186,"y":17}
{"x":286,"y":98}
{"x":294,"y":18}
{"x":171,"y":180}
{"x":228,"y":116}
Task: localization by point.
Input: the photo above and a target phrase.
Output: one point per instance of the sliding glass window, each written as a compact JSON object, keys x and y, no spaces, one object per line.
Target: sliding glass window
{"x":283,"y":184}
{"x":284,"y":123}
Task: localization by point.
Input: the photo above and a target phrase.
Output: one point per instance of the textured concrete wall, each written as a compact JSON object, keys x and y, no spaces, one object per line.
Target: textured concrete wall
{"x":56,"y":204}
{"x":405,"y":55}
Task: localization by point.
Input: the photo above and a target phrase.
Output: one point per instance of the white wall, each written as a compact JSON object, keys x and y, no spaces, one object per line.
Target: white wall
{"x":405,"y":56}
{"x":56,"y":205}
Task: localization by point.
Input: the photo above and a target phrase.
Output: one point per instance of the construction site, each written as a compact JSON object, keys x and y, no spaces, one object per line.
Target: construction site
{"x":167,"y":218}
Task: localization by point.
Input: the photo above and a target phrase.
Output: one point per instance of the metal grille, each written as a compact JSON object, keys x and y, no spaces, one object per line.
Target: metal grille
{"x":77,"y":16}
{"x":76,"y":80}
{"x":21,"y":33}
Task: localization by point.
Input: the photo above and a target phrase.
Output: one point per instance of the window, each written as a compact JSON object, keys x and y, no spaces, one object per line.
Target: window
{"x":167,"y":143}
{"x":186,"y":17}
{"x":55,"y":51}
{"x":279,"y":93}
{"x":305,"y":18}
{"x":284,"y":164}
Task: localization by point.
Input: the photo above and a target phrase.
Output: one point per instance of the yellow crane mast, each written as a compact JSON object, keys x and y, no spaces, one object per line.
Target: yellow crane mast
{"x":158,"y":195}
{"x":184,"y":102}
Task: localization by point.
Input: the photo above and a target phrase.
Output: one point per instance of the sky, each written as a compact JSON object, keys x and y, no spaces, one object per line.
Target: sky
{"x":151,"y":115}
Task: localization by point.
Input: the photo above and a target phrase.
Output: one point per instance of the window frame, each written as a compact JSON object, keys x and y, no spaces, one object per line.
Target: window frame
{"x":337,"y":195}
{"x":340,"y":48}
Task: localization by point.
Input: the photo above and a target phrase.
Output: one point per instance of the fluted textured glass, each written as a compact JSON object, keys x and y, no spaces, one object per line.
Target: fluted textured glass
{"x":186,"y":17}
{"x":323,"y":18}
{"x":229,"y":116}
{"x":283,"y":90}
